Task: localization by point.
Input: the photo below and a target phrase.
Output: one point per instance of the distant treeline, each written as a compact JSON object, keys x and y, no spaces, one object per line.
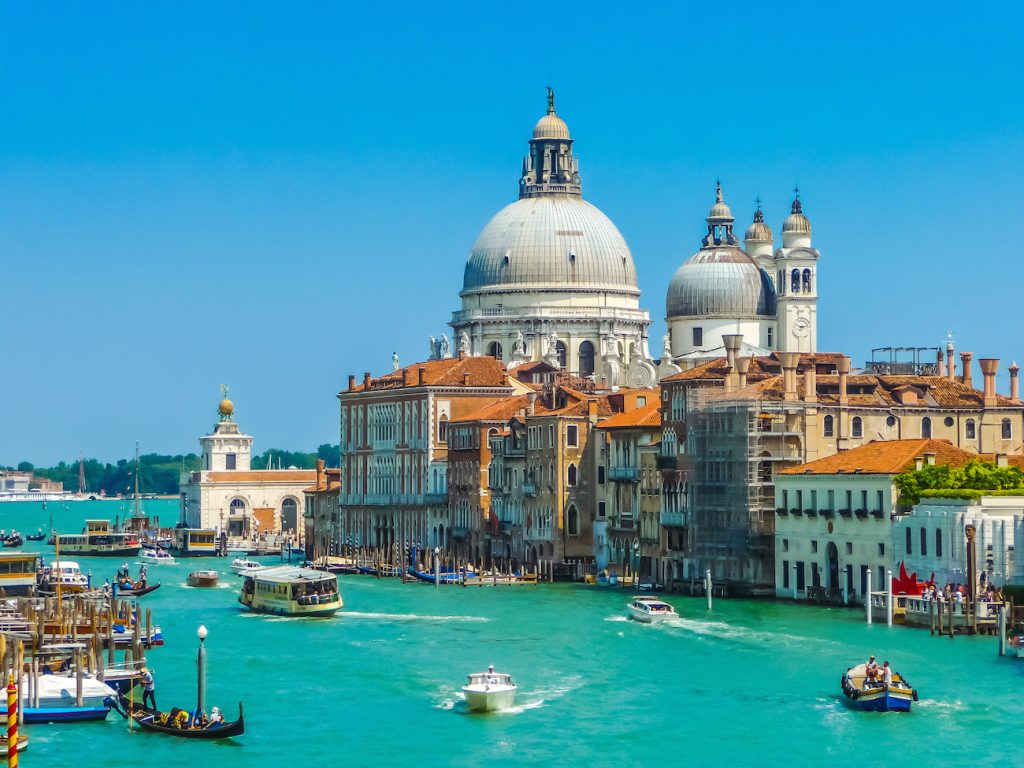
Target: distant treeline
{"x":159,"y":473}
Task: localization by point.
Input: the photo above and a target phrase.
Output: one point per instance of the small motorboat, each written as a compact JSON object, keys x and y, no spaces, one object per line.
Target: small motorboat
{"x":57,"y":700}
{"x":156,"y":556}
{"x":203,"y":578}
{"x":489,"y":691}
{"x":177,"y":722}
{"x":875,"y":696}
{"x":67,"y":574}
{"x":241,"y":565}
{"x":649,"y":609}
{"x":649,"y":586}
{"x":22,"y":744}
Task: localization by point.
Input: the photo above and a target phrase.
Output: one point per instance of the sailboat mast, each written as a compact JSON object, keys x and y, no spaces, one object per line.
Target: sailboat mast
{"x":136,"y":479}
{"x":81,"y":473}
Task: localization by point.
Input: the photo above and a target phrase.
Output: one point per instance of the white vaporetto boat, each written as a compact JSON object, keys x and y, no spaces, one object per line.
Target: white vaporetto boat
{"x":650,"y":609}
{"x":240,"y":565}
{"x":489,"y":691}
{"x":156,"y":557}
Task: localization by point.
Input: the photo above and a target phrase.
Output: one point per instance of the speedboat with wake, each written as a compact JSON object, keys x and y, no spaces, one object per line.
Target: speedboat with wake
{"x":489,"y":691}
{"x":874,"y":695}
{"x":156,"y":556}
{"x":649,"y":609}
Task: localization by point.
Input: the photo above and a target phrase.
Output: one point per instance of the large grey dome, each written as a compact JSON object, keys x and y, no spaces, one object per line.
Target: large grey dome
{"x":553,"y":242}
{"x":720,"y":281}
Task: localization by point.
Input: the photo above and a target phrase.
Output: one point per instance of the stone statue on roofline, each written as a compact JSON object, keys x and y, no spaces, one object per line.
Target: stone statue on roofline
{"x":464,"y":344}
{"x":519,"y":345}
{"x":666,"y":349}
{"x":395,"y":365}
{"x":446,"y":347}
{"x":433,"y":348}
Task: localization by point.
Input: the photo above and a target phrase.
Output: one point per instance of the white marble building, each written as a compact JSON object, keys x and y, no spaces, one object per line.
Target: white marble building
{"x":228,"y":495}
{"x":550,"y":277}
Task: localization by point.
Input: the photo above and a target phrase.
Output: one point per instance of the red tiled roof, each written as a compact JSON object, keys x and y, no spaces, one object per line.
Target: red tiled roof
{"x":263,"y":476}
{"x":450,"y":372}
{"x":502,"y":410}
{"x":646,"y":416}
{"x":884,"y":457}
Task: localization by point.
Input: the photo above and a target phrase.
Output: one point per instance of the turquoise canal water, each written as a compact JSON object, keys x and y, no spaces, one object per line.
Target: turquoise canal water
{"x":747,"y":683}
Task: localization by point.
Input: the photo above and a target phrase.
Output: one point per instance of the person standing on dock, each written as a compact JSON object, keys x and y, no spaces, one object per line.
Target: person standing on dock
{"x":148,"y":689}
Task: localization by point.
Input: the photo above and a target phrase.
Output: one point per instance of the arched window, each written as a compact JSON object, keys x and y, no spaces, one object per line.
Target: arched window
{"x":795,"y":281}
{"x":910,"y":541}
{"x":857,"y":427}
{"x":570,"y":479}
{"x":924,"y":542}
{"x":442,"y":429}
{"x":780,"y":284}
{"x":560,"y":349}
{"x":1007,"y":429}
{"x":969,"y":430}
{"x":289,"y":515}
{"x":938,"y":542}
{"x":573,"y":522}
{"x":494,"y":350}
{"x":237,"y":506}
{"x":586,"y":364}
{"x":828,"y":426}
{"x":926,"y":427}
{"x":807,"y":281}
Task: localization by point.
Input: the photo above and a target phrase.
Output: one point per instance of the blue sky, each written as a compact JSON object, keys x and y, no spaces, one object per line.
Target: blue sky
{"x":274,"y":196}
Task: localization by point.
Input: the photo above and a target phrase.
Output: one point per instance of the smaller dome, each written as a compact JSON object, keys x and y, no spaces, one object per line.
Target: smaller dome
{"x":226,"y":407}
{"x":759,"y":232}
{"x":551,"y":126}
{"x":796,"y":223}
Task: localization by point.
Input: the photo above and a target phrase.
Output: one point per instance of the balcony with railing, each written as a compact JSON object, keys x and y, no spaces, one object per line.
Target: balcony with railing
{"x":460,"y":532}
{"x":624,"y":474}
{"x":673,"y":519}
{"x":530,"y":489}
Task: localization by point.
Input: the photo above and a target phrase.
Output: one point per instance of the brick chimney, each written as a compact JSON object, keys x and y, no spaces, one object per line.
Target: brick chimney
{"x":319,"y":473}
{"x":351,"y":382}
{"x":732,"y":342}
{"x":989,"y":367}
{"x":965,"y":360}
{"x":465,"y":378}
{"x":950,"y":362}
{"x":789,"y":361}
{"x":940,"y":363}
{"x":405,"y":377}
{"x":810,"y":380}
{"x":843,"y":369}
{"x":366,"y":380}
{"x":1014,"y":391}
{"x":531,"y":398}
{"x":421,"y":373}
{"x":742,"y":368}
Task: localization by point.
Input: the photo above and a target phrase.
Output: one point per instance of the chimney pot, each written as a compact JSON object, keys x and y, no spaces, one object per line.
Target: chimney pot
{"x":743,"y":368}
{"x":919,"y":463}
{"x":965,"y":360}
{"x":351,"y":382}
{"x":989,"y":368}
{"x":1014,"y":391}
{"x":366,"y":380}
{"x":531,"y":397}
{"x":843,"y":369}
{"x":789,"y":360}
{"x":811,"y":380}
{"x":1001,"y":460}
{"x":465,"y":378}
{"x":421,"y":373}
{"x":929,"y":458}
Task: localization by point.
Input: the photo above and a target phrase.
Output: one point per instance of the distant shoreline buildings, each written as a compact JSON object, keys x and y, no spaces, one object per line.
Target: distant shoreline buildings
{"x":545,"y":435}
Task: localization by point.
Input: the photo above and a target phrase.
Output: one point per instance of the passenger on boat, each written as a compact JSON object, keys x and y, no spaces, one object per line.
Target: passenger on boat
{"x":871,"y":671}
{"x":491,"y":677}
{"x":886,"y":674}
{"x":216,"y":718}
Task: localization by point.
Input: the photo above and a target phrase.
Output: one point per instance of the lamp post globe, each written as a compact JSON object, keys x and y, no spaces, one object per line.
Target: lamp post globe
{"x":202,"y":632}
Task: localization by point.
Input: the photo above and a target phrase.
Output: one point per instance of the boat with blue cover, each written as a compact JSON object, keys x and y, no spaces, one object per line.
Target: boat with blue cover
{"x":875,"y":695}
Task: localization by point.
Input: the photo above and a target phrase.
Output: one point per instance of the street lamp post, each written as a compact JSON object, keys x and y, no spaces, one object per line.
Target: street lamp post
{"x":437,"y":566}
{"x":201,"y":670}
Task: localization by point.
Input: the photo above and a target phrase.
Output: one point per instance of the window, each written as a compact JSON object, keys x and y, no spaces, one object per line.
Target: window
{"x":229,"y":461}
{"x":551,"y":435}
{"x":769,"y":338}
{"x":849,"y":500}
{"x":494,"y":350}
{"x":800,"y":577}
{"x":1007,"y":429}
{"x":926,"y":427}
{"x":948,"y":421}
{"x":785,"y":574}
{"x":831,"y":500}
{"x":864,"y":500}
{"x":890,"y":421}
{"x":828,"y":426}
{"x":807,"y":281}
{"x":814,"y":546}
{"x":849,"y":547}
{"x":600,"y":475}
{"x":909,"y":541}
{"x":881,"y":549}
{"x":969,"y":431}
{"x":698,"y":337}
{"x":785,"y":545}
{"x":586,"y":358}
{"x":570,"y":476}
{"x":574,"y":522}
{"x":572,"y":436}
{"x":815,"y":575}
{"x":795,"y":282}
{"x":561,"y":351}
{"x":601,"y":505}
{"x":924,"y":542}
{"x":857,"y":427}
{"x":442,"y":429}
{"x":641,"y":401}
{"x":938,"y":543}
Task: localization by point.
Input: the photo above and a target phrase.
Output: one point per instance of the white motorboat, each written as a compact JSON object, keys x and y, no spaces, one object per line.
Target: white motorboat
{"x":156,"y":557}
{"x":649,"y":609}
{"x":489,"y":691}
{"x":67,"y":574}
{"x":241,"y":565}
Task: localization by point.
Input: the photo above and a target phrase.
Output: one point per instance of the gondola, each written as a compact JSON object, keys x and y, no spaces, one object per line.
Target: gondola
{"x":137,"y":592}
{"x":35,"y":537}
{"x":160,"y":722}
{"x":13,"y":541}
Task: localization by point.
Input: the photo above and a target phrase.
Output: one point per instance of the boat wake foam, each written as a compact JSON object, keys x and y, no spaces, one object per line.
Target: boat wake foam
{"x":410,"y":617}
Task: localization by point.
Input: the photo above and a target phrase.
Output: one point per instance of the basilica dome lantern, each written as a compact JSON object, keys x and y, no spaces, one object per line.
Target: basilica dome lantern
{"x":551,"y":265}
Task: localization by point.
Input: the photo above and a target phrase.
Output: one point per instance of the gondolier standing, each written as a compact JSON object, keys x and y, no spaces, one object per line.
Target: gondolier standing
{"x":148,"y":689}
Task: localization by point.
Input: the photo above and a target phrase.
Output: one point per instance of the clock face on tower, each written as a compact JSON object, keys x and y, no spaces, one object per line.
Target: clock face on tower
{"x":801,"y":327}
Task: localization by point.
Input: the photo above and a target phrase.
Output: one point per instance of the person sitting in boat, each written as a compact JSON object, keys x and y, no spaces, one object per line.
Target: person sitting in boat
{"x":216,"y":718}
{"x":886,"y":674}
{"x":181,"y":718}
{"x":491,"y":678}
{"x":871,"y":672}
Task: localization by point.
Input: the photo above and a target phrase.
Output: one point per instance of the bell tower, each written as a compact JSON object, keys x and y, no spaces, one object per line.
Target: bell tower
{"x":796,"y":280}
{"x":226,"y":448}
